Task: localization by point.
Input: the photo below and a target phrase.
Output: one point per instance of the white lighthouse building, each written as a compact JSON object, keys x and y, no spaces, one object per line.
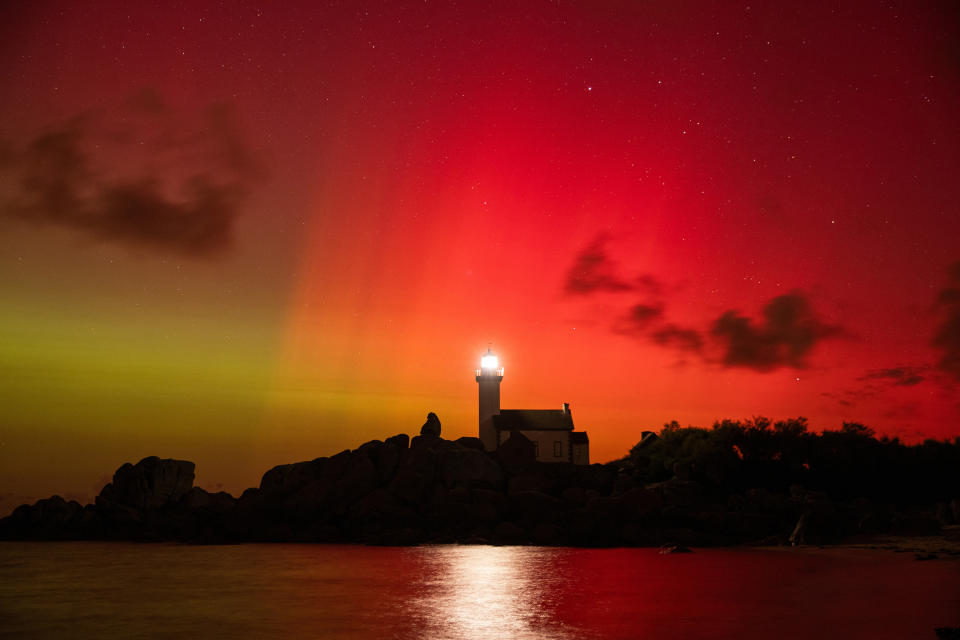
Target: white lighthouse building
{"x":549,"y":431}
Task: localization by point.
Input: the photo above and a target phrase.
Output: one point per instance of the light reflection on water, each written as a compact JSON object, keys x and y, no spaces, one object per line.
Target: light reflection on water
{"x":490,"y":592}
{"x":119,"y":590}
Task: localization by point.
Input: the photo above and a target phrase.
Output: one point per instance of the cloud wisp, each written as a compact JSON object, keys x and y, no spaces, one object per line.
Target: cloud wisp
{"x":784,"y":337}
{"x":148,"y":178}
{"x":594,"y":272}
{"x":900,"y":376}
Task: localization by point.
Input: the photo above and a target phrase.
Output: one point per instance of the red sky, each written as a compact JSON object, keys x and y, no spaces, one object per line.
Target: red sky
{"x":245,"y":235}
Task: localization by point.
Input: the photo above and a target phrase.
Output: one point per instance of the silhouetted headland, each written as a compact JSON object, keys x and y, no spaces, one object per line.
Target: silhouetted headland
{"x":752,"y":482}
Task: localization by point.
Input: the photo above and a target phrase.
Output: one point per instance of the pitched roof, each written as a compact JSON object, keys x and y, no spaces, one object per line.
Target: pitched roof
{"x":533,"y":420}
{"x":579,"y":437}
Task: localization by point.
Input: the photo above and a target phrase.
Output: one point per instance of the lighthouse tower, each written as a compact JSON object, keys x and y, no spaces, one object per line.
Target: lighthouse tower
{"x":489,"y":376}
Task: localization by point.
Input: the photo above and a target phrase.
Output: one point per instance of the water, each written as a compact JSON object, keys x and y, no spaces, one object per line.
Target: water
{"x":119,"y":590}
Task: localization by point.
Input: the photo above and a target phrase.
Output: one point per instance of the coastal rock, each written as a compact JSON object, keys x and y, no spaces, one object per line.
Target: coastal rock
{"x":598,"y":477}
{"x":496,"y":499}
{"x":198,"y":498}
{"x":531,"y":481}
{"x":385,"y":456}
{"x":508,"y":533}
{"x":676,"y":492}
{"x":48,"y":519}
{"x":547,"y":535}
{"x":381,"y":510}
{"x":403,"y":537}
{"x":401,"y":441}
{"x":150,"y":484}
{"x":470,"y":443}
{"x":577,"y":496}
{"x":345,"y":479}
{"x":416,"y":479}
{"x":533,"y":507}
{"x":468,"y":467}
{"x":639,"y":502}
{"x":285,"y":478}
{"x":603,"y":507}
{"x":400,"y":490}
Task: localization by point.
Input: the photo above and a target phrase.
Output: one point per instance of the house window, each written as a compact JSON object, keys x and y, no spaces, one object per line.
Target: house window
{"x":557,"y":449}
{"x":536,"y":449}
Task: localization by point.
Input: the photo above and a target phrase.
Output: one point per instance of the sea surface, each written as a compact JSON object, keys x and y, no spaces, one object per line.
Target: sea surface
{"x":121,"y":590}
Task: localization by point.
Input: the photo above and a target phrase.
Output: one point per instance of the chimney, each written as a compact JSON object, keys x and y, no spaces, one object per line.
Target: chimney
{"x":566,"y":408}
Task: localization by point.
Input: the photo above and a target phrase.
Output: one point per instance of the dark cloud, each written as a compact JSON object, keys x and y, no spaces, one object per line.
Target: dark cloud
{"x":641,"y":316}
{"x":784,"y":337}
{"x":650,"y":285}
{"x":155,"y":180}
{"x":947,"y":337}
{"x":670,"y":335}
{"x":788,"y":332}
{"x":647,"y":321}
{"x":593,"y":271}
{"x":902,"y":376}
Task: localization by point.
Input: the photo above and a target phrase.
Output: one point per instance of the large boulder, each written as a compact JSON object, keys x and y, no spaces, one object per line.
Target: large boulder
{"x":678,"y":493}
{"x":470,"y":443}
{"x":639,"y":502}
{"x":598,"y":477}
{"x":199,"y":499}
{"x":401,"y":441}
{"x":468,"y":467}
{"x":533,"y":507}
{"x":342,"y":480}
{"x":286,"y":478}
{"x":380,"y":510}
{"x":385,"y":456}
{"x":150,"y":484}
{"x":47,"y":519}
{"x":414,"y":481}
{"x":533,"y":480}
{"x":508,"y":533}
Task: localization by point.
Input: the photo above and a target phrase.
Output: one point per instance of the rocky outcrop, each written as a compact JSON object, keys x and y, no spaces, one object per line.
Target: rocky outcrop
{"x":427,"y":489}
{"x":50,"y":519}
{"x":150,"y":484}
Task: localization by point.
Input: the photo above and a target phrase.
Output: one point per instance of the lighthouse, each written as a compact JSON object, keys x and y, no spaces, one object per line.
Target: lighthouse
{"x":542,"y":435}
{"x":489,"y":376}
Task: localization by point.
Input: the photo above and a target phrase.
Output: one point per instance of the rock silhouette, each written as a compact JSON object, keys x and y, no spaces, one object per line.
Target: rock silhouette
{"x":432,"y":426}
{"x":739,"y":484}
{"x":149,"y":484}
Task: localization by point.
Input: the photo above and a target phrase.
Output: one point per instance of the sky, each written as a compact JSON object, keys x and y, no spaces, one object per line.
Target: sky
{"x":246,"y":234}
